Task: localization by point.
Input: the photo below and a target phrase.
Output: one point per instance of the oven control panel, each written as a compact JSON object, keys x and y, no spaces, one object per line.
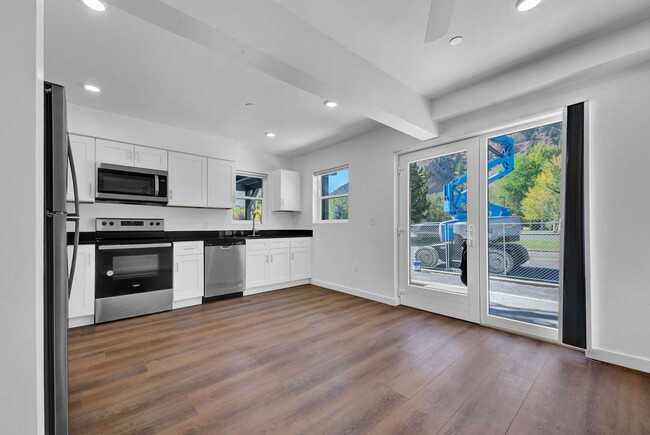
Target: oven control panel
{"x":112,"y":224}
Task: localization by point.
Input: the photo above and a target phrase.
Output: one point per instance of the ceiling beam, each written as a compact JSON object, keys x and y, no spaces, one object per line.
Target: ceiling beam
{"x":266,"y":37}
{"x":617,"y":50}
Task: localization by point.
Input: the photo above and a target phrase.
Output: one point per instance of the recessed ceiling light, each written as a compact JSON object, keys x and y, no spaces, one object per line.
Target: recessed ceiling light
{"x":270,"y":134}
{"x":526,"y":5}
{"x":456,"y":40}
{"x":330,"y":103}
{"x":95,"y":5}
{"x":92,"y":88}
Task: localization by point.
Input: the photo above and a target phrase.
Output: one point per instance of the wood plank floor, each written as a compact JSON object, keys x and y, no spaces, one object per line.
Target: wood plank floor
{"x":309,"y":360}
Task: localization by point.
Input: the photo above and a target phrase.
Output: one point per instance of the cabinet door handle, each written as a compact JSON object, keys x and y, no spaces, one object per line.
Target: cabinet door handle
{"x":131,"y":155}
{"x":137,"y":156}
{"x":177,"y":267}
{"x":293,"y":256}
{"x":282,"y":201}
{"x":90,"y":189}
{"x":171,"y":194}
{"x":266,"y":258}
{"x":271,"y":258}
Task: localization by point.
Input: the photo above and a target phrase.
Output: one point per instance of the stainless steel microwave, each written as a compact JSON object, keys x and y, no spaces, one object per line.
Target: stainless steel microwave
{"x":131,"y":185}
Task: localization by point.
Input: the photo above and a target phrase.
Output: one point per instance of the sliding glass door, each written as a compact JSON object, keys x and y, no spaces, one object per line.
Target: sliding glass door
{"x":499,"y":196}
{"x":521,"y":203}
{"x":438,"y":216}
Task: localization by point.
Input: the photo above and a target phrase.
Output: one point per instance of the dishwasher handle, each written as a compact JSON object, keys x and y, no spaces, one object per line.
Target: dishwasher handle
{"x":225,"y":244}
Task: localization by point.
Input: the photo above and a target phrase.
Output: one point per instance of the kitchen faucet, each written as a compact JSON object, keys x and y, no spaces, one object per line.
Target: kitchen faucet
{"x":258,"y":214}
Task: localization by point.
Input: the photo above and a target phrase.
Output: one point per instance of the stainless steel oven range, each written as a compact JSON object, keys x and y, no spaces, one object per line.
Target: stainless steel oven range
{"x":133,"y":272}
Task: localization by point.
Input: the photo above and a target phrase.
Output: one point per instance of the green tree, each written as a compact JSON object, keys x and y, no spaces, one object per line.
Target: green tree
{"x":338,"y":208}
{"x":419,"y":177}
{"x":542,"y":201}
{"x":522,"y":179}
{"x":436,"y":211}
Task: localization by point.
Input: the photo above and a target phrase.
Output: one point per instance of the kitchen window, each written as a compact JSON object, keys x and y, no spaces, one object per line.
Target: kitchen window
{"x":249,"y":197}
{"x":332,"y":194}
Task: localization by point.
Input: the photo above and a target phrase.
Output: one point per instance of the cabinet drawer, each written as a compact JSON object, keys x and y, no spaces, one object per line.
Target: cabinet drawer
{"x":188,"y":248}
{"x":299,"y":242}
{"x":256,"y":245}
{"x":279,"y":243}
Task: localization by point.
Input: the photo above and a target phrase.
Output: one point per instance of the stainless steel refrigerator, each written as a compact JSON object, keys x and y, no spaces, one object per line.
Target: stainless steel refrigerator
{"x":57,"y":279}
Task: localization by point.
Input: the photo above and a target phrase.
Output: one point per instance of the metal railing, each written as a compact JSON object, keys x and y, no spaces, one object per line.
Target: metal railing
{"x":527,"y":251}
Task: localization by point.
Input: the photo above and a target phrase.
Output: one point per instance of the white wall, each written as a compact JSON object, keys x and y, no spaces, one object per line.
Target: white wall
{"x":91,"y":122}
{"x":21,"y":220}
{"x":337,"y":247}
{"x":619,"y":207}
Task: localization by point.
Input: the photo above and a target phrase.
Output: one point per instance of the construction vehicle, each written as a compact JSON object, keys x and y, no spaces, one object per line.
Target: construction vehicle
{"x":503,"y":227}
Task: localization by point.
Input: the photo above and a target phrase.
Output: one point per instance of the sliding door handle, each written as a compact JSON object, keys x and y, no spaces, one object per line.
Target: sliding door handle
{"x":470,"y":235}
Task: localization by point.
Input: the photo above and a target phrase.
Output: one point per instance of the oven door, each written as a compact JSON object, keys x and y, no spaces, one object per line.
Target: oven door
{"x":133,"y":268}
{"x":133,"y":185}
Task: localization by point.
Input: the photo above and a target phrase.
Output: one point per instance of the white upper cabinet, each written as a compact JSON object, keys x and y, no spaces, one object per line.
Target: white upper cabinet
{"x":188,"y":180}
{"x":83,"y":152}
{"x":114,"y":153}
{"x":285,"y":190}
{"x":124,"y":154}
{"x":221,"y":184}
{"x":150,"y":158}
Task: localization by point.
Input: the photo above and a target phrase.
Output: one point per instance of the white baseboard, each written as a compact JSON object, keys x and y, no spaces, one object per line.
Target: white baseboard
{"x":619,"y":359}
{"x":271,"y":287}
{"x":356,"y":292}
{"x":186,"y":303}
{"x":76,"y":322}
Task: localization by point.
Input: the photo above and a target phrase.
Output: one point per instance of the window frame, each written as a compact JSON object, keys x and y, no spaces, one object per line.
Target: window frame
{"x":318,"y":195}
{"x":262,"y":177}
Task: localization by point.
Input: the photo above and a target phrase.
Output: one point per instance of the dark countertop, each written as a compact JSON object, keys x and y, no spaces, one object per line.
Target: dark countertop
{"x":88,"y":237}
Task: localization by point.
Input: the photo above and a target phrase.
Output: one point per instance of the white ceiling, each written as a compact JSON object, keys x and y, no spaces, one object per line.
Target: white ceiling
{"x":390,"y":34}
{"x":368,"y":54}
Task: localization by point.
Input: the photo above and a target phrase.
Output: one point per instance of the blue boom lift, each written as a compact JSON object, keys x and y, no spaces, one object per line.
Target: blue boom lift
{"x":503,"y":255}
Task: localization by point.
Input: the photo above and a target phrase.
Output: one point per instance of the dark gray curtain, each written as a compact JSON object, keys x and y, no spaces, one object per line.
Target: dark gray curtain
{"x":574,"y":320}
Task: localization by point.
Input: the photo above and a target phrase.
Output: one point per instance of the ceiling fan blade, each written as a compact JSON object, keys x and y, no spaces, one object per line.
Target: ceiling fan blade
{"x":439,"y":19}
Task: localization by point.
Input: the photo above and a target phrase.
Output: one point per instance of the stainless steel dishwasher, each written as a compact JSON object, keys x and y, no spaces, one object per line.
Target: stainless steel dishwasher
{"x":225,"y":268}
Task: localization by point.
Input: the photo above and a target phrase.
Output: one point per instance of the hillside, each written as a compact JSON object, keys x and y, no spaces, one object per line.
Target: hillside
{"x":446,"y":168}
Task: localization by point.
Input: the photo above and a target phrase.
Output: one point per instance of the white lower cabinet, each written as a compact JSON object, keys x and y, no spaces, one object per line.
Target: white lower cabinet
{"x":81,"y":306}
{"x":271,"y":262}
{"x":279,"y":265}
{"x":188,"y":273}
{"x":256,"y":268}
{"x":300,"y":263}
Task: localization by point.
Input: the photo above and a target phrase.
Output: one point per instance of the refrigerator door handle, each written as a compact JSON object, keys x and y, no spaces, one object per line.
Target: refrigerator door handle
{"x":75,"y":186}
{"x":74,"y":217}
